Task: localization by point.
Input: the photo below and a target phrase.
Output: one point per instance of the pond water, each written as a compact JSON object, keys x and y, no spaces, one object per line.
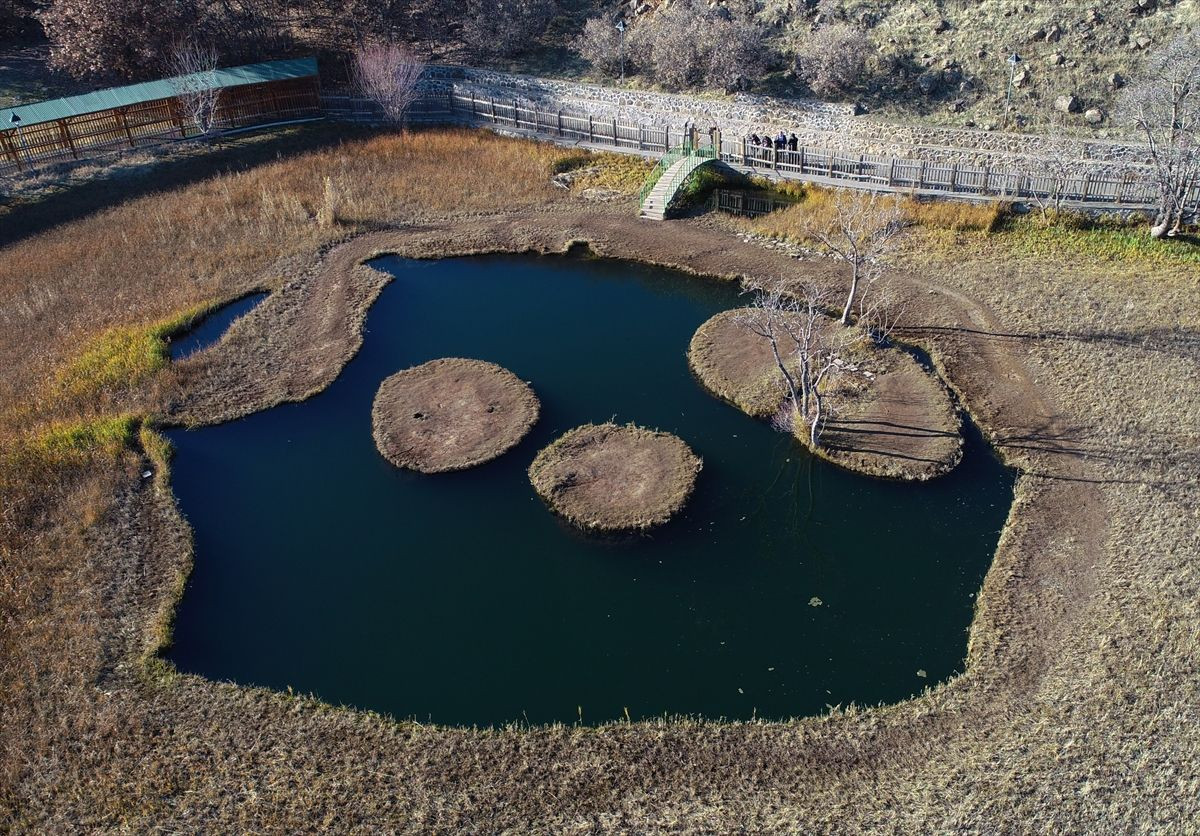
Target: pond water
{"x":213,"y":326}
{"x":786,"y":585}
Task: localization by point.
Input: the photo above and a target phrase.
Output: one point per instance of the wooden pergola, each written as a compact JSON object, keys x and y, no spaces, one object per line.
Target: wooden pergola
{"x":82,"y":126}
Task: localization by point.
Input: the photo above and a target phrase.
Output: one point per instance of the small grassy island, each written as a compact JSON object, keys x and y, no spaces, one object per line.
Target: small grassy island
{"x":606,"y":477}
{"x":893,"y":418}
{"x":451,"y":414}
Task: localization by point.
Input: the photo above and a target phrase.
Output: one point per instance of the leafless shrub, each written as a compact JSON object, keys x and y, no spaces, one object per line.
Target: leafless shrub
{"x":689,"y":45}
{"x":600,"y":45}
{"x":834,"y":60}
{"x":506,"y":27}
{"x":193,"y":69}
{"x":880,"y":308}
{"x":737,"y":54}
{"x":387,"y":74}
{"x":1164,"y":107}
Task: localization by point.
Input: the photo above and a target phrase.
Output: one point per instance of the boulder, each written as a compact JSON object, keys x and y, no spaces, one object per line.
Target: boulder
{"x":1057,"y":59}
{"x":1054,"y":34}
{"x":1021,"y":78}
{"x":928,"y":83}
{"x":1094,"y":115}
{"x":1116,"y":81}
{"x":941,"y":25}
{"x":1068,"y":104}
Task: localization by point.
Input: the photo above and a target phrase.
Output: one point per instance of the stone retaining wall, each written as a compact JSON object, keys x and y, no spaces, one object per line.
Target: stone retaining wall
{"x":816,"y":124}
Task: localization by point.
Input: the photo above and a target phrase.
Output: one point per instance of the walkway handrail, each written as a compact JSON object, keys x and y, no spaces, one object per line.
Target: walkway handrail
{"x":1124,"y":187}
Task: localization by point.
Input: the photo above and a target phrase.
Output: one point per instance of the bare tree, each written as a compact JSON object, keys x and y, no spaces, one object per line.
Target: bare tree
{"x":805,"y":348}
{"x":687,"y":44}
{"x":1164,"y":107}
{"x":194,"y":78}
{"x":860,"y":228}
{"x":388,"y":74}
{"x":1051,"y":171}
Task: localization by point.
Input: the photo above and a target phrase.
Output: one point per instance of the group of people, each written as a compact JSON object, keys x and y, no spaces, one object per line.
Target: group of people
{"x":781,"y":142}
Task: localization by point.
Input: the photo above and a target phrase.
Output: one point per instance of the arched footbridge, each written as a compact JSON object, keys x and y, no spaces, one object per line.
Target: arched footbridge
{"x":670,"y":174}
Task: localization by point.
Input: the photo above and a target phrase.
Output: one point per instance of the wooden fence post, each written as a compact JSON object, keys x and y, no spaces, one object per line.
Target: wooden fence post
{"x":491,"y":110}
{"x":615,"y":142}
{"x":921,"y":175}
{"x":891,"y":170}
{"x":64,"y":131}
{"x":125,"y":124}
{"x":560,"y":121}
{"x":954,"y":177}
{"x":11,"y":151}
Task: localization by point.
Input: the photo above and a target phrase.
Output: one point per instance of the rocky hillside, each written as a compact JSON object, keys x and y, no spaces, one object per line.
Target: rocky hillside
{"x":947,"y":61}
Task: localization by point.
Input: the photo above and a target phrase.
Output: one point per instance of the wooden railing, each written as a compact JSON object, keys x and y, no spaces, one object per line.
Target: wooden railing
{"x":1132,"y":187}
{"x":1121,"y":186}
{"x":747,"y":204}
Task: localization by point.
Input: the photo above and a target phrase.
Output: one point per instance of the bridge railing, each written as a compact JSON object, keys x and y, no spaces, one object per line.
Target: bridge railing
{"x":677,"y":178}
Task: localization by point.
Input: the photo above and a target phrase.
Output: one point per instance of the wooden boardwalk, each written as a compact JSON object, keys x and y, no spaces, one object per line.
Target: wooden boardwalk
{"x":1123,"y":189}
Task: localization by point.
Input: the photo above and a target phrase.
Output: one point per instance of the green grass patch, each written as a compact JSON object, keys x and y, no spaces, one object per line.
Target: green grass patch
{"x":123,"y":356}
{"x":699,"y":185}
{"x":1105,"y":239}
{"x":623,"y":173}
{"x":67,"y":442}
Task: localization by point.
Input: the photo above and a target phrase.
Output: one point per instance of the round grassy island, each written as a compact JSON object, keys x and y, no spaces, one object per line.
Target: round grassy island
{"x":607,"y":477}
{"x":890,"y":417}
{"x":451,"y":414}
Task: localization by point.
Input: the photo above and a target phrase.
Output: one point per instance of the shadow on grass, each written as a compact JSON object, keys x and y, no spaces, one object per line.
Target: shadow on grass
{"x":67,"y":200}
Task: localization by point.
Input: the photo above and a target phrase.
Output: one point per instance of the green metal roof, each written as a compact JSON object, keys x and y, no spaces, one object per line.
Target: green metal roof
{"x":97,"y":100}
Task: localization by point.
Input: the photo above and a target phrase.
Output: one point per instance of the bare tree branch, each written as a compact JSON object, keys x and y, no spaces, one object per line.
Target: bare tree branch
{"x":1164,"y":107}
{"x":194,"y":68}
{"x":388,"y":74}
{"x":805,"y":345}
{"x":860,"y":229}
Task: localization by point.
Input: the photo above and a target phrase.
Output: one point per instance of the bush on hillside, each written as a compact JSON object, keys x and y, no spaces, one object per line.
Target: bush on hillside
{"x":834,"y":60}
{"x":503,"y":28}
{"x":600,"y":45}
{"x":689,"y":45}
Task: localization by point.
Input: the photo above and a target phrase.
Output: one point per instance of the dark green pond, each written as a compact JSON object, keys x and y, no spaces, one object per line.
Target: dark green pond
{"x":460,"y":599}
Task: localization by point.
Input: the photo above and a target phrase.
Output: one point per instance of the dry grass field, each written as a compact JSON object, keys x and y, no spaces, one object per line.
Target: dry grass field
{"x":1077,"y":712}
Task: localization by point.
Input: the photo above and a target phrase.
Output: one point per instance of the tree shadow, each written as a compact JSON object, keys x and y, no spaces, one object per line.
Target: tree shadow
{"x":1179,"y":342}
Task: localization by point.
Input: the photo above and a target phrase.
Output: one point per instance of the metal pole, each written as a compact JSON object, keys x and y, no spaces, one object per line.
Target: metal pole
{"x":621,"y":47}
